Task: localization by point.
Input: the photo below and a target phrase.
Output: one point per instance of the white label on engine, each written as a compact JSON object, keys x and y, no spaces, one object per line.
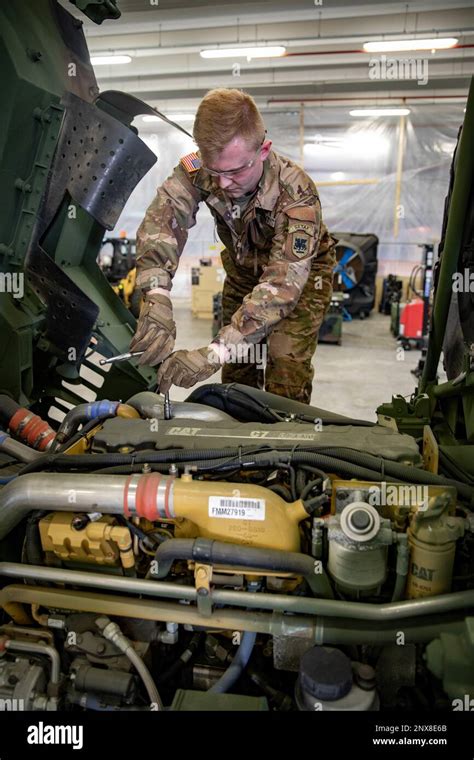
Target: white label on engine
{"x":236,"y":508}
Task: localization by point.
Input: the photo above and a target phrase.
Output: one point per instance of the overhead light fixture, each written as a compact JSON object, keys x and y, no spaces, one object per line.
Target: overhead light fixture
{"x":380,"y":112}
{"x":104,"y":60}
{"x":250,"y":52}
{"x":389,"y":46}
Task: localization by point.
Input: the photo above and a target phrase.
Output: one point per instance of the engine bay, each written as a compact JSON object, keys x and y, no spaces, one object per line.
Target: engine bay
{"x":276,"y":560}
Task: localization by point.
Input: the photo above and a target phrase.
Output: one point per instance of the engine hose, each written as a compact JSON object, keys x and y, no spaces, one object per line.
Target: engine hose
{"x":83,"y":413}
{"x":8,"y":407}
{"x":270,"y":458}
{"x":183,"y":659}
{"x":254,"y":405}
{"x":375,"y":469}
{"x":24,"y":424}
{"x":238,"y":664}
{"x":401,"y":471}
{"x":33,"y":548}
{"x":210,"y":552}
{"x":112,"y":632}
{"x":309,"y":487}
{"x":18,"y":450}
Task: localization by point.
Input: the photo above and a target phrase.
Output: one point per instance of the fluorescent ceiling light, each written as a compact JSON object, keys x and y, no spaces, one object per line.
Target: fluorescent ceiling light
{"x":337,"y":176}
{"x":250,"y":52}
{"x":380,"y":112}
{"x":387,"y":46}
{"x":103,"y":60}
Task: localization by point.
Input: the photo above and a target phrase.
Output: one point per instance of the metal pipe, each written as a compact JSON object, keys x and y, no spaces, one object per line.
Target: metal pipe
{"x":412,"y":608}
{"x":112,"y":632}
{"x":150,"y":495}
{"x":458,"y":209}
{"x":29,"y":646}
{"x":318,"y":631}
{"x":17,"y":449}
{"x":399,"y":174}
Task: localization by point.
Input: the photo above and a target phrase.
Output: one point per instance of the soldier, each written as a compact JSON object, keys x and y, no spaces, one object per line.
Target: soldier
{"x":278,"y":256}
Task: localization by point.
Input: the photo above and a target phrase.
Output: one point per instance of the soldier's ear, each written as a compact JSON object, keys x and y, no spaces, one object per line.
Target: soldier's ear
{"x":266,"y":148}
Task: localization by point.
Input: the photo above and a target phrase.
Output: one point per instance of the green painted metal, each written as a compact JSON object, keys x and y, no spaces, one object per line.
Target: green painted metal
{"x":448,"y":407}
{"x":43,"y":56}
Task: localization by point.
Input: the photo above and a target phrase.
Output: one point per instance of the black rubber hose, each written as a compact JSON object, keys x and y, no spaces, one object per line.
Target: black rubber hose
{"x":309,"y":487}
{"x":280,"y":490}
{"x":208,"y":552}
{"x":8,"y":407}
{"x":96,"y":410}
{"x":254,"y":405}
{"x":347,"y":462}
{"x":400,"y":471}
{"x":183,"y":659}
{"x":33,"y":548}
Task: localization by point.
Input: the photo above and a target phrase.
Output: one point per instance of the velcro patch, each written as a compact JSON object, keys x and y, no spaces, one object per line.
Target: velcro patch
{"x":191,"y":162}
{"x":301,"y":227}
{"x":300,"y":244}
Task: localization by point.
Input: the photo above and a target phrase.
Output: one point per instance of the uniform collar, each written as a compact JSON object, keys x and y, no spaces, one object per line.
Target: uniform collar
{"x":268,"y":185}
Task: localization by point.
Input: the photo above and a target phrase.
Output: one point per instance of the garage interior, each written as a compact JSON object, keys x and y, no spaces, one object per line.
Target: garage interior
{"x":224,"y":548}
{"x":370,"y":171}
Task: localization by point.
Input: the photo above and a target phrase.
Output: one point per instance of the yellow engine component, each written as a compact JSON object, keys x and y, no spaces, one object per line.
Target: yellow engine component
{"x":396,"y":501}
{"x":100,"y":542}
{"x":432,"y":539}
{"x":246,"y":514}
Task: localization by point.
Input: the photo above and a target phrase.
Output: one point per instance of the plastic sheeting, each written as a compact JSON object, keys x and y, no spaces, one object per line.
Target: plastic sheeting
{"x":353,"y":161}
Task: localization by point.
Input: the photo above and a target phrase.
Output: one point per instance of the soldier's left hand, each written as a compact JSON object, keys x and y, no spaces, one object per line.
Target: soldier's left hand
{"x":185,"y":368}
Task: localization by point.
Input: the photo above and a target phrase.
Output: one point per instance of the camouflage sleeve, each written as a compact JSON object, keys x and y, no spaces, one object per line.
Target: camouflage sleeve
{"x":163,"y":232}
{"x":296,"y":243}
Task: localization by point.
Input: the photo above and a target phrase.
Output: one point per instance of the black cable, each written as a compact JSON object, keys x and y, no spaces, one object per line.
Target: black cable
{"x":309,"y":487}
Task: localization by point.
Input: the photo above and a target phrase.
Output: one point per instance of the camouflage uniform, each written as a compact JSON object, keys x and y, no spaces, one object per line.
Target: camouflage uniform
{"x":278,"y":258}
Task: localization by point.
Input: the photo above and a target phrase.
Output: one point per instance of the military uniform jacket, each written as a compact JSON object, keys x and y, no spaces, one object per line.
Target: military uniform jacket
{"x":280,"y":237}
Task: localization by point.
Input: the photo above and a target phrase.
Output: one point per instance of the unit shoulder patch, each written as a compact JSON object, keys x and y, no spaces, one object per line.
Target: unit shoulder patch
{"x":192,"y":163}
{"x":300,"y":244}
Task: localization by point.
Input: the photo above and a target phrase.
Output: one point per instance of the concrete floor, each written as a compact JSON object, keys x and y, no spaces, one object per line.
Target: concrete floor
{"x":351,"y":379}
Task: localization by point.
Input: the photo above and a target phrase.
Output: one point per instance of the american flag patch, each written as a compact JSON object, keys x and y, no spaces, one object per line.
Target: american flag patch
{"x":191,"y":162}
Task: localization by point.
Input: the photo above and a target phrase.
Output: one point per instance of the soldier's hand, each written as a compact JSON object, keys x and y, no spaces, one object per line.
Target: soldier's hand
{"x":156,"y":330}
{"x":185,"y":368}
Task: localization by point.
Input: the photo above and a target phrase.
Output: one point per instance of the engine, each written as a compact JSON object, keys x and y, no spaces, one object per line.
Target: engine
{"x":248,"y":552}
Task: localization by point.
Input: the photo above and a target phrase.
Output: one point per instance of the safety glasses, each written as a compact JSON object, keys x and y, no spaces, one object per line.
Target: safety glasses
{"x":239,"y":169}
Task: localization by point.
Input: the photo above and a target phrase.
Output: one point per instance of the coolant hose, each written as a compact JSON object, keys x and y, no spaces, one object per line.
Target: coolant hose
{"x":210,"y":552}
{"x":238,"y":664}
{"x":83,"y":413}
{"x":24,"y":424}
{"x":8,"y":408}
